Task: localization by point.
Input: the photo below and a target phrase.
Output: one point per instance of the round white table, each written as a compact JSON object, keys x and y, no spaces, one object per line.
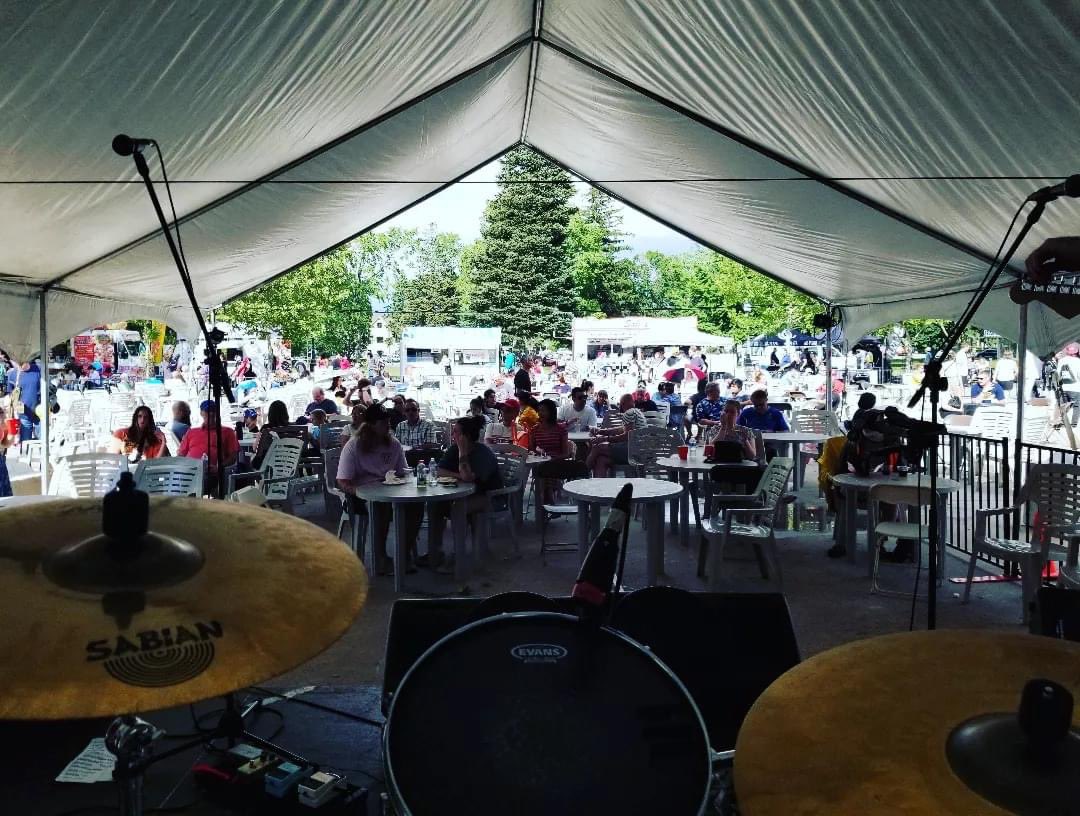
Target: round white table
{"x":651,"y":493}
{"x":683,"y":471}
{"x":409,"y":493}
{"x":579,"y":436}
{"x":851,"y":484}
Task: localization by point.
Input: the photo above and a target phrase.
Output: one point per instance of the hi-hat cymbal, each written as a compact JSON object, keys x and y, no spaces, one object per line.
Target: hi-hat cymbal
{"x":271,"y":592}
{"x":863,"y":728}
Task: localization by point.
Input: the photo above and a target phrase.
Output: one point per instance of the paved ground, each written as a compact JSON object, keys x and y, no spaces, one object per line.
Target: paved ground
{"x":829,"y":599}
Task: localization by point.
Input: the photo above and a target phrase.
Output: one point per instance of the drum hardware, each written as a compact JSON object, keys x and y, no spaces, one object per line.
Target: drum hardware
{"x":135,"y":618}
{"x":1027,"y":761}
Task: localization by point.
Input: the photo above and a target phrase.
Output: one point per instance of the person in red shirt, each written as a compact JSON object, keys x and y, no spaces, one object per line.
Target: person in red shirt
{"x":142,"y":440}
{"x":548,"y":435}
{"x":203,"y":441}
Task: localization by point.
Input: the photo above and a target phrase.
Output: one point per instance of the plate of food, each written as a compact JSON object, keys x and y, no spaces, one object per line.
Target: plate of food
{"x":394,"y":479}
{"x":446,"y":481}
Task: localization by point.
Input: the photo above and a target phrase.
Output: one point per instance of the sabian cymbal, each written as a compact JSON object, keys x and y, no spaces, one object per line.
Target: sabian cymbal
{"x":863,"y":728}
{"x":271,"y":592}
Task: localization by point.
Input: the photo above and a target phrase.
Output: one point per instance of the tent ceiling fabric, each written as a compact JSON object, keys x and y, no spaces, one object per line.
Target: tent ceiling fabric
{"x":421,"y":90}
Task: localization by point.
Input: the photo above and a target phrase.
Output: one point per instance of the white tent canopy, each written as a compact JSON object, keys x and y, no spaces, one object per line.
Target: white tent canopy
{"x":870,"y":154}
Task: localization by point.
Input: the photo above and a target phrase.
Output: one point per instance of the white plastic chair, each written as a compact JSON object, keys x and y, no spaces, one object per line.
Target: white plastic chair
{"x":87,"y":475}
{"x":1055,"y":492}
{"x":902,"y":496}
{"x":334,"y":497}
{"x":277,"y":478}
{"x":170,"y":476}
{"x":760,"y":512}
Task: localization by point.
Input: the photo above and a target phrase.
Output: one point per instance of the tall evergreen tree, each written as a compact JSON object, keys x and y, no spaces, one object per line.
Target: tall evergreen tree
{"x":605,"y":284}
{"x":431,"y":296}
{"x":520,"y":279}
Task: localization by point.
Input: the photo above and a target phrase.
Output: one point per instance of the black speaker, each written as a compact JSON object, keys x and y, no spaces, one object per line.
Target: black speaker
{"x":726,"y":648}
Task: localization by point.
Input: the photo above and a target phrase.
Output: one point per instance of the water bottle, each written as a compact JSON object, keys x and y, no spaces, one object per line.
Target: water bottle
{"x":692,"y":444}
{"x":421,"y":474}
{"x":205,"y":462}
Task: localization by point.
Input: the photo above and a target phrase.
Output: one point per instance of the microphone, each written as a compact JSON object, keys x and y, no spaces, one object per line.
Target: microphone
{"x":1069,"y":188}
{"x":594,"y":582}
{"x":125,"y":145}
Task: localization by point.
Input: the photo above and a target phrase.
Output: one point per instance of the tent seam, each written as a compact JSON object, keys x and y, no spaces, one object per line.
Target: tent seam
{"x":769,"y":153}
{"x":374,"y":225}
{"x":515,"y":46}
{"x":685,"y":233}
{"x":534,"y":57}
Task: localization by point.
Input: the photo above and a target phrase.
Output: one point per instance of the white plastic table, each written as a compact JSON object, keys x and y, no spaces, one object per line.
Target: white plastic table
{"x":683,"y":471}
{"x":409,"y":493}
{"x":851,"y":484}
{"x":651,"y":493}
{"x":579,"y":436}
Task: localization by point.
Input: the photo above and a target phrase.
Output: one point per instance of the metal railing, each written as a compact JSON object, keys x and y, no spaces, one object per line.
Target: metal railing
{"x":984,"y":469}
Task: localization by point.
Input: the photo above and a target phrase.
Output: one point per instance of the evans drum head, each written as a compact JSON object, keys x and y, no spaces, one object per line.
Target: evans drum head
{"x":534,"y":714}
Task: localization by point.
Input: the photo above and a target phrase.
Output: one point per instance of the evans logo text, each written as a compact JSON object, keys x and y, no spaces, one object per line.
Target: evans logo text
{"x":538,"y":652}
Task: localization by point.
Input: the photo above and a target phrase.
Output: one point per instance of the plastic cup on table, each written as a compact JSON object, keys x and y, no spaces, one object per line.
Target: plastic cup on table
{"x":684,"y":452}
{"x":708,"y":451}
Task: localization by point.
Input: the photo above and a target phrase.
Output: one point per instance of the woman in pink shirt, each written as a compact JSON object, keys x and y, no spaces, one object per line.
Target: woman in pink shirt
{"x":366,"y":459}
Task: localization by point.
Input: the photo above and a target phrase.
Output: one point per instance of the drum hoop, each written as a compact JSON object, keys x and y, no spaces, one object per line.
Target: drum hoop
{"x":402,"y":809}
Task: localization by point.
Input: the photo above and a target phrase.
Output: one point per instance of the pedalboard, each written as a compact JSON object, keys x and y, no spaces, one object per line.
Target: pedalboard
{"x":252,"y":779}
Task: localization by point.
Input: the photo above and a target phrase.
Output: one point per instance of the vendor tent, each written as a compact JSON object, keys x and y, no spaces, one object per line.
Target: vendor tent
{"x":870,"y":154}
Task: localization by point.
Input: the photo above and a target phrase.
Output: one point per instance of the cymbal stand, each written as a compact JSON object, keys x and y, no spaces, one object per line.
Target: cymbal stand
{"x":935,"y":384}
{"x":131,"y":739}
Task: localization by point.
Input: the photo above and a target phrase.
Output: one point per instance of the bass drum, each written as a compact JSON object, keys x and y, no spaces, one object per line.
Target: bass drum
{"x":534,"y":714}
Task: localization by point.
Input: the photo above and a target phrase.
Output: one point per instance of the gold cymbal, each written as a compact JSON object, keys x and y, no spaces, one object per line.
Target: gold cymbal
{"x":272,"y":592}
{"x":862,"y":728}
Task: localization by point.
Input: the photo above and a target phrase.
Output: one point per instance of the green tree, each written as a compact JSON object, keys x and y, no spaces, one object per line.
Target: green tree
{"x":322,"y":303}
{"x":717,"y":290}
{"x":519,"y":278}
{"x":431,"y":296}
{"x":605,"y":284}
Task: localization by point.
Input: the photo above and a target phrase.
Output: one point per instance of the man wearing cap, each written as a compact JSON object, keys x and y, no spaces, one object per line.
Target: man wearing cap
{"x":319,"y":400}
{"x":199,"y":442}
{"x":251,"y":420}
{"x":503,"y":431}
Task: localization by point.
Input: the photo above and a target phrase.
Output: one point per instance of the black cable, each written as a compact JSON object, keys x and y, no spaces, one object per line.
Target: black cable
{"x":968,"y":310}
{"x":329,"y":709}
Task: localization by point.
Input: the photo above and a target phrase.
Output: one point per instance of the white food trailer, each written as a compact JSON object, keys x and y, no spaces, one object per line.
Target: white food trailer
{"x":463,"y":355}
{"x":625,"y":335}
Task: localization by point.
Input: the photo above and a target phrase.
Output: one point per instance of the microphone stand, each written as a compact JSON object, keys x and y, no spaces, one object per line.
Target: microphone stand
{"x":219,"y":380}
{"x":935,"y":384}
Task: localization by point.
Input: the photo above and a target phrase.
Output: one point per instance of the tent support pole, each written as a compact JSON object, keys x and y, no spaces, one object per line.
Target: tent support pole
{"x":45,"y":418}
{"x":1021,"y":397}
{"x":828,"y":375}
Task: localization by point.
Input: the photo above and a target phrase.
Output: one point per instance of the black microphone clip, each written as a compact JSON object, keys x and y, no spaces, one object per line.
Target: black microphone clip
{"x":125,"y":145}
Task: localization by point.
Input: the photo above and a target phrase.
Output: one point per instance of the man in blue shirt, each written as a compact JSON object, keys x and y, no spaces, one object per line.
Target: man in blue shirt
{"x":28,"y":378}
{"x":709,"y":410}
{"x":986,"y":390}
{"x":761,"y":416}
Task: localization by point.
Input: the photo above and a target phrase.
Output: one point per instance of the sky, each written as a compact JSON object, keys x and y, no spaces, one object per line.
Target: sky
{"x":460,"y":207}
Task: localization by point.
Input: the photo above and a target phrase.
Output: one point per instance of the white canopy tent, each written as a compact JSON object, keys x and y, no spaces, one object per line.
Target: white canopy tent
{"x":870,"y":154}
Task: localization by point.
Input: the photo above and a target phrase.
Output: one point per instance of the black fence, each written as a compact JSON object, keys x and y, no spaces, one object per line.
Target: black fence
{"x":984,"y":468}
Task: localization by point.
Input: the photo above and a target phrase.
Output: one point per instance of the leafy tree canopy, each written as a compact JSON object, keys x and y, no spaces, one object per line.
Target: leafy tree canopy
{"x":324,"y":302}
